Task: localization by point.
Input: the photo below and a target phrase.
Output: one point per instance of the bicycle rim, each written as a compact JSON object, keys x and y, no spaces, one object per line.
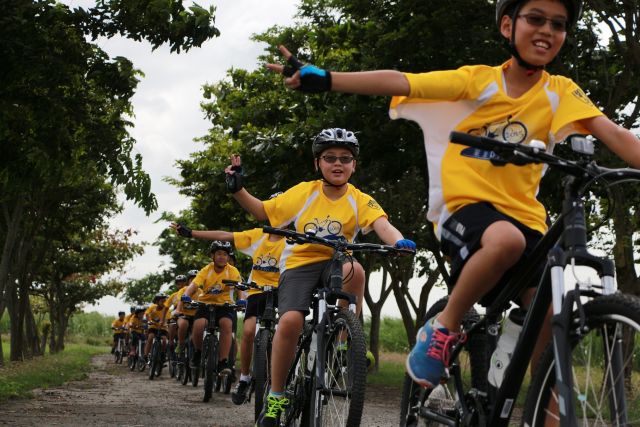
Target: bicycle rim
{"x":345,"y":373}
{"x":605,"y":367}
{"x":210,"y":375}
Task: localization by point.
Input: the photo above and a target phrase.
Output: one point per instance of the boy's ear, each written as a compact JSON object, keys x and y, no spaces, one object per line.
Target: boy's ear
{"x":506,"y":27}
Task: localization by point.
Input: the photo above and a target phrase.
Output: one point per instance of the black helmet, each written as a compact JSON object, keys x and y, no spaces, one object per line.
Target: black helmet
{"x":192,"y":273}
{"x":574,"y":8}
{"x":181,"y":278}
{"x":132,"y":309}
{"x":218,"y":245}
{"x":121,"y":313}
{"x":140,"y":309}
{"x":158,"y":297}
{"x":335,"y":137}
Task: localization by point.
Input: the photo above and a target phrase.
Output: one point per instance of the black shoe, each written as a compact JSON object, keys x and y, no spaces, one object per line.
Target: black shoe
{"x":223,"y":367}
{"x":270,"y":416}
{"x":239,"y":395}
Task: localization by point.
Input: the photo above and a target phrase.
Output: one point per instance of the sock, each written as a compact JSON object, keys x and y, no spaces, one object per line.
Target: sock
{"x":277,"y":395}
{"x":245,"y":378}
{"x":438,"y":325}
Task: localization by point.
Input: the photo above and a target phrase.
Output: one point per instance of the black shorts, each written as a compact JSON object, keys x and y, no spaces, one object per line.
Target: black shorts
{"x":461,"y":235}
{"x":160,"y":332}
{"x":221,"y":311}
{"x":297,"y":284}
{"x":119,"y":335}
{"x":256,"y":304}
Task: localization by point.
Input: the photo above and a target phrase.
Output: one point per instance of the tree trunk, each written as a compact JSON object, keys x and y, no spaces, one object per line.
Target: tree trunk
{"x":13,"y":229}
{"x":623,"y":249}
{"x":374,"y":335}
{"x":1,"y":352}
{"x":32,"y":335}
{"x":16,"y":354}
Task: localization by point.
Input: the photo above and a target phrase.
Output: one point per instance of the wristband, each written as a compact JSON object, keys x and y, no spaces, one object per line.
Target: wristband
{"x":184,"y":231}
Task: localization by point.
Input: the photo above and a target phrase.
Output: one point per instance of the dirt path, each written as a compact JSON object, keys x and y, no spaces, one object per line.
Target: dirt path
{"x":113,"y":396}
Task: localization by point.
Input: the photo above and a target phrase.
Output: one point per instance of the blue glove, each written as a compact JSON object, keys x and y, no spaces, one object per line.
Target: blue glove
{"x":242,"y":302}
{"x":312,"y":78}
{"x":185,"y":298}
{"x":405,"y":244}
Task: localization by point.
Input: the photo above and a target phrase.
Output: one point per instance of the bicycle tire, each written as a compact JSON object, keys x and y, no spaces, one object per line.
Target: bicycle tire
{"x":210,"y":349}
{"x":299,"y":384}
{"x":155,"y":358}
{"x":345,"y":374}
{"x":261,"y":368}
{"x":608,"y":318}
{"x":474,"y":366}
{"x":172,"y":363}
{"x":187,"y":364}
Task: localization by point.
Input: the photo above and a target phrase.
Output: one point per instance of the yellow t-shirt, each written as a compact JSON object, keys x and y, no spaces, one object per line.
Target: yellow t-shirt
{"x":154,"y":317}
{"x":174,"y":298}
{"x":135,"y":324}
{"x":307,"y":207}
{"x":118,"y":325}
{"x":209,"y":280}
{"x":473,"y":99}
{"x":264,"y":253}
{"x":185,"y":310}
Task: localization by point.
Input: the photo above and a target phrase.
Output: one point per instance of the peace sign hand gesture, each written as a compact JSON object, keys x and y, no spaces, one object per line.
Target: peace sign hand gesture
{"x":304,"y":77}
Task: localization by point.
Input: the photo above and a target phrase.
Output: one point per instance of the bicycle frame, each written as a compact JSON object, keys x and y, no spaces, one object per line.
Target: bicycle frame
{"x":564,"y":244}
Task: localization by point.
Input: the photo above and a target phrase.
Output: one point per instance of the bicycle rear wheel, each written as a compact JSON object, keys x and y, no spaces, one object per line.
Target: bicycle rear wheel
{"x":605,"y":366}
{"x":345,"y":374}
{"x":155,"y":358}
{"x":261,"y":367}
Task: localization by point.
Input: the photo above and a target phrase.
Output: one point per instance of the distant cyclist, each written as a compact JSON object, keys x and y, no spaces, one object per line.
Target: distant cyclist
{"x":157,"y":321}
{"x":207,"y":287}
{"x":119,"y":330}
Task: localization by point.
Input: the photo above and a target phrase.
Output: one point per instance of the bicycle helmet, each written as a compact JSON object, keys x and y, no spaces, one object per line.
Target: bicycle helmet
{"x":181,"y":278}
{"x":121,"y":313}
{"x":218,"y":245}
{"x":335,"y":137}
{"x":140,"y":309}
{"x":512,"y":8}
{"x":132,"y":309}
{"x":158,"y":297}
{"x":192,"y":273}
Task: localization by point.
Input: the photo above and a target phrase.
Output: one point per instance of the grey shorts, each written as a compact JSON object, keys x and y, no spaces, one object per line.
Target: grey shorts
{"x":297,"y":285}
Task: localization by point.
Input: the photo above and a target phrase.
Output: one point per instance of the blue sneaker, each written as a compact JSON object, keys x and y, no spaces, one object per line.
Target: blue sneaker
{"x":429,"y":357}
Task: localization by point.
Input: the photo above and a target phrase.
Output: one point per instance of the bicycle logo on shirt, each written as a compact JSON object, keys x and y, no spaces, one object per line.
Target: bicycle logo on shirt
{"x":327,"y":228}
{"x":514,"y":132}
{"x":266,"y":263}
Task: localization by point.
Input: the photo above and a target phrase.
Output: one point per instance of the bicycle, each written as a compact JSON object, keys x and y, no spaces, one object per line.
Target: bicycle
{"x":120,"y":345}
{"x":225,"y":380}
{"x":210,"y":348}
{"x":156,"y":358}
{"x":588,"y":369}
{"x":326,"y":382}
{"x":261,"y":357}
{"x":171,"y":353}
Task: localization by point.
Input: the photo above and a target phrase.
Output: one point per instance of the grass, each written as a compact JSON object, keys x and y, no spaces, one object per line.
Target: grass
{"x":390,"y":372}
{"x":19,"y":379}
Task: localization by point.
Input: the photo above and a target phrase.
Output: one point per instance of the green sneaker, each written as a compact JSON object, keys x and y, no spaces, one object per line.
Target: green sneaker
{"x":271,"y":416}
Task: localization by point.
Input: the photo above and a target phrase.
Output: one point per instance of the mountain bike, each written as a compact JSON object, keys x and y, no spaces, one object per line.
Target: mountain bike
{"x":326,"y":382}
{"x":588,"y":375}
{"x":172,"y":357}
{"x":227,"y":377}
{"x":120,"y":345}
{"x":210,"y":347}
{"x":156,"y":357}
{"x":261,"y":357}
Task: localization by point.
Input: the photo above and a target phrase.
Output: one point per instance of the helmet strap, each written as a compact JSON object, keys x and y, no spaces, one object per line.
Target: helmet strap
{"x":531,"y":69}
{"x":323,"y":179}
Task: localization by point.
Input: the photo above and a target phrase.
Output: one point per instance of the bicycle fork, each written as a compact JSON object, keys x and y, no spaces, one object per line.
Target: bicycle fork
{"x":563,"y":306}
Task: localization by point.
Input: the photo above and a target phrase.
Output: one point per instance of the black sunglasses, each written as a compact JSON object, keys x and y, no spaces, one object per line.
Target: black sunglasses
{"x":332,"y":159}
{"x":536,"y":20}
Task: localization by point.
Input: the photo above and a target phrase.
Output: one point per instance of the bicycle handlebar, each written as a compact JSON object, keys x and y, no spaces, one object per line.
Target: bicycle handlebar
{"x":520,"y":154}
{"x":341,"y":245}
{"x":243,"y":286}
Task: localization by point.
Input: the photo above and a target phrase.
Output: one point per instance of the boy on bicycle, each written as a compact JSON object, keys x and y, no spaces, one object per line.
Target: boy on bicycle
{"x":487,"y":218}
{"x":119,"y":327}
{"x":156,"y":317}
{"x":173,"y":300}
{"x":265,"y":251}
{"x":212,"y":291}
{"x":334,"y":209}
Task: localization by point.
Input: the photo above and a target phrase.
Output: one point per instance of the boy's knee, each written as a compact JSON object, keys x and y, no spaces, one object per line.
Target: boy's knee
{"x":506,"y":238}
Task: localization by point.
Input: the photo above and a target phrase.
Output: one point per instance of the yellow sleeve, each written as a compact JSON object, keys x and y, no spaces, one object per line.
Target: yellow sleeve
{"x":245,"y":240}
{"x":368,"y":212}
{"x":450,"y":85}
{"x":574,"y":105}
{"x":201,"y":277}
{"x":281,"y":210}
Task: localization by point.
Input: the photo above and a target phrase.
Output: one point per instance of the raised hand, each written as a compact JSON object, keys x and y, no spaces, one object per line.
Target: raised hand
{"x":299,"y":76}
{"x":233,"y":174}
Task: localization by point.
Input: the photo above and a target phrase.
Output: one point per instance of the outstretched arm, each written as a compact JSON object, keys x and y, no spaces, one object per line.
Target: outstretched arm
{"x":380,"y":82}
{"x":619,"y":140}
{"x":225,"y":236}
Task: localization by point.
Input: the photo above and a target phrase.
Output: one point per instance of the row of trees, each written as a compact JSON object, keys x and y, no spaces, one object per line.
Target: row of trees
{"x":65,"y":107}
{"x":252,"y":114}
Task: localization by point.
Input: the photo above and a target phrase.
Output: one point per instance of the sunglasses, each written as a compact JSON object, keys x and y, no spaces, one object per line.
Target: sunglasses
{"x":536,"y":20}
{"x":332,"y":159}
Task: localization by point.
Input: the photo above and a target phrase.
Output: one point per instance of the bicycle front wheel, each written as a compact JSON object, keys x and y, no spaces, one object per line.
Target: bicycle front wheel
{"x":341,"y":401}
{"x":261,"y":366}
{"x":605,"y":366}
{"x":155,"y":358}
{"x":211,"y":364}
